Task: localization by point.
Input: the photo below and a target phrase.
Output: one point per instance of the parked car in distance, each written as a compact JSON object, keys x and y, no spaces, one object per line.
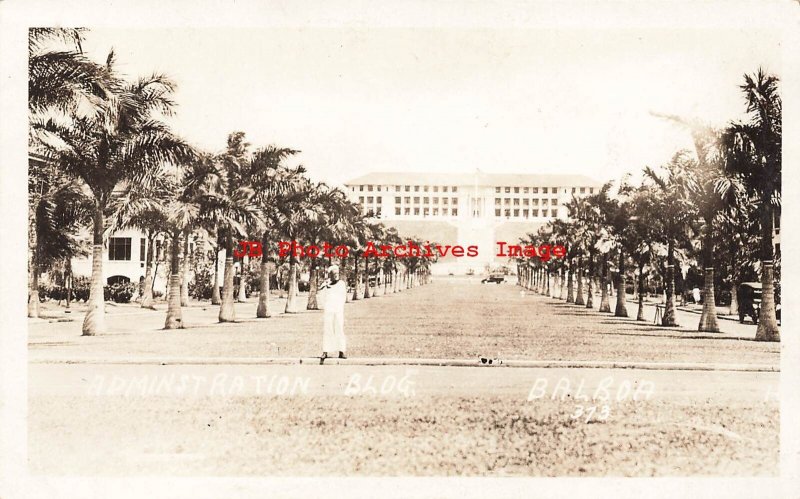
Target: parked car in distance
{"x":497,"y":279}
{"x":749,"y":297}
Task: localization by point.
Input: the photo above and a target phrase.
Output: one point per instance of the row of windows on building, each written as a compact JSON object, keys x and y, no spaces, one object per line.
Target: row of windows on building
{"x":119,"y":248}
{"x":544,"y":190}
{"x":523,"y":213}
{"x":398,"y":200}
{"x":406,"y":188}
{"x":524,"y":201}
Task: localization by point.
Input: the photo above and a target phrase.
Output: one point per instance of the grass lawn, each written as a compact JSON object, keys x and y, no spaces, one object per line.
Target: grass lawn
{"x":448,"y":318}
{"x":430,"y":435}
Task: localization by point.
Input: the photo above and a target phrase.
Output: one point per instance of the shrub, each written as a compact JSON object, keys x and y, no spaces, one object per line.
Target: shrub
{"x":200,"y":286}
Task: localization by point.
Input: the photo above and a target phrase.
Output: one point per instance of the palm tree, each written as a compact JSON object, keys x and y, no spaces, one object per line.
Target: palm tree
{"x":124,"y":143}
{"x":753,"y":152}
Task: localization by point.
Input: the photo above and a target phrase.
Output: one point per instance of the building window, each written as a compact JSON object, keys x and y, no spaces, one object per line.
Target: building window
{"x":379,"y":199}
{"x":591,"y":190}
{"x":535,"y":202}
{"x":408,"y":188}
{"x":397,"y":211}
{"x":583,"y":190}
{"x":507,"y":201}
{"x":553,"y":213}
{"x":397,"y":200}
{"x":436,"y":212}
{"x":508,"y":189}
{"x":416,"y":188}
{"x":454,"y":212}
{"x":426,"y":200}
{"x":378,"y":213}
{"x":516,"y":190}
{"x":435,"y":188}
{"x":544,"y":202}
{"x":370,"y":199}
{"x":526,"y":202}
{"x":455,"y":189}
{"x":516,"y":201}
{"x":573,"y":190}
{"x":425,"y":189}
{"x":526,"y":190}
{"x":397,"y":188}
{"x":407,"y":211}
{"x":408,"y":199}
{"x":378,"y":188}
{"x":554,"y":201}
{"x":444,"y":189}
{"x":508,"y":213}
{"x":516,"y":213}
{"x":525,"y":213}
{"x":544,"y":190}
{"x":361,"y":199}
{"x":535,"y":190}
{"x":445,"y":200}
{"x":497,"y":201}
{"x":369,"y":188}
{"x":497,"y":190}
{"x":497,"y":212}
{"x":142,"y":246}
{"x":455,"y":201}
{"x":416,"y":199}
{"x":435,"y":200}
{"x":119,"y":248}
{"x":416,"y":211}
{"x":535,"y":213}
{"x":360,"y":187}
{"x":425,"y":212}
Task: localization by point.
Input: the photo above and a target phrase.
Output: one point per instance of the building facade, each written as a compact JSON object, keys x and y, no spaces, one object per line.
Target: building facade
{"x":467,"y":208}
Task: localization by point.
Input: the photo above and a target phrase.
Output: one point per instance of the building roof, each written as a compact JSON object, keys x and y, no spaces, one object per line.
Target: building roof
{"x":479,"y":178}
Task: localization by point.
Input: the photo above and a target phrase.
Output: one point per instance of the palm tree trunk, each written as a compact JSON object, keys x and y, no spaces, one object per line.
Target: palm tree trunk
{"x":215,"y":297}
{"x":640,"y":290}
{"x":708,"y":317}
{"x":767,"y":329}
{"x":345,"y":278}
{"x":94,"y":322}
{"x":669,"y":305}
{"x":579,"y":292}
{"x":227,"y":312}
{"x":621,"y":310}
{"x":366,"y":278}
{"x":570,"y":285}
{"x":605,"y":306}
{"x":291,"y":299}
{"x":242,"y":294}
{"x":356,"y":277}
{"x":313,"y":287}
{"x":589,"y":289}
{"x":174,"y":317}
{"x":185,"y":270}
{"x":33,"y":264}
{"x":147,"y":294}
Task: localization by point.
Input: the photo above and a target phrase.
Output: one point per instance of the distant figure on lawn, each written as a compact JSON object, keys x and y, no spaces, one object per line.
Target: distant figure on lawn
{"x":334,"y":295}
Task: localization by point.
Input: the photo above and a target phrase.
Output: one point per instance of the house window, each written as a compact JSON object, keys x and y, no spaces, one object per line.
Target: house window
{"x":408,"y":199}
{"x":544,"y":190}
{"x":416,"y":188}
{"x":397,"y":211}
{"x":416,"y":211}
{"x":119,"y":248}
{"x":454,"y":212}
{"x":535,"y":202}
{"x":370,"y":199}
{"x":407,"y":211}
{"x":426,"y":200}
{"x":497,"y":201}
{"x":455,"y":200}
{"x":436,"y":212}
{"x":435,"y":200}
{"x":497,"y":190}
{"x":535,"y":213}
{"x":444,"y":189}
{"x":397,"y":200}
{"x":379,"y":199}
{"x":553,"y":213}
{"x":425,"y":212}
{"x":455,"y":189}
{"x":408,"y":188}
{"x":516,"y":201}
{"x":526,"y":201}
{"x":142,"y":246}
{"x":508,"y":189}
{"x":554,"y":201}
{"x":508,"y":213}
{"x":507,"y":201}
{"x":525,"y":190}
{"x":360,"y":187}
{"x":516,"y":190}
{"x":516,"y":212}
{"x":416,"y":199}
{"x":497,"y":212}
{"x":445,"y":200}
{"x":397,"y":188}
{"x":369,"y":188}
{"x":525,"y":213}
{"x":535,"y":190}
{"x":544,"y":202}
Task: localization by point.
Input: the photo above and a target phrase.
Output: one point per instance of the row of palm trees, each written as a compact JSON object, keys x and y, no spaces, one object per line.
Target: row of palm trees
{"x":106,"y":159}
{"x":712,"y":207}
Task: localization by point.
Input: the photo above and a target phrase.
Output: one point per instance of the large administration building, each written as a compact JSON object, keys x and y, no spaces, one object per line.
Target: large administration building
{"x":467,"y":208}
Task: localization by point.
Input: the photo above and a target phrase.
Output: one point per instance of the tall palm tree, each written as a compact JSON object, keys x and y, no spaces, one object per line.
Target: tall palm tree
{"x":753,"y":152}
{"x":123,"y":143}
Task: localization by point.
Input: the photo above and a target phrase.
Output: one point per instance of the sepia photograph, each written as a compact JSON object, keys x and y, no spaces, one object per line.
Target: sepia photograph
{"x":539,"y":245}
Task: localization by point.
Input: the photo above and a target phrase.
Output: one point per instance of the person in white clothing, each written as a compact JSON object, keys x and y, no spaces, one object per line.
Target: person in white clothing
{"x":334,"y":295}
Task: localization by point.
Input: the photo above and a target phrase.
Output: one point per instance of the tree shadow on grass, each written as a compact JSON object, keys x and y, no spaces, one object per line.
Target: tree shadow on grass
{"x":687,"y":336}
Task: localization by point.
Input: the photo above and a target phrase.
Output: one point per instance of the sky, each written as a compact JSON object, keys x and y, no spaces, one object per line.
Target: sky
{"x":450,"y":99}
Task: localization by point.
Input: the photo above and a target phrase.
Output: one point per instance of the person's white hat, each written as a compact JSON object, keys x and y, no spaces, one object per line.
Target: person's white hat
{"x":333,"y":268}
